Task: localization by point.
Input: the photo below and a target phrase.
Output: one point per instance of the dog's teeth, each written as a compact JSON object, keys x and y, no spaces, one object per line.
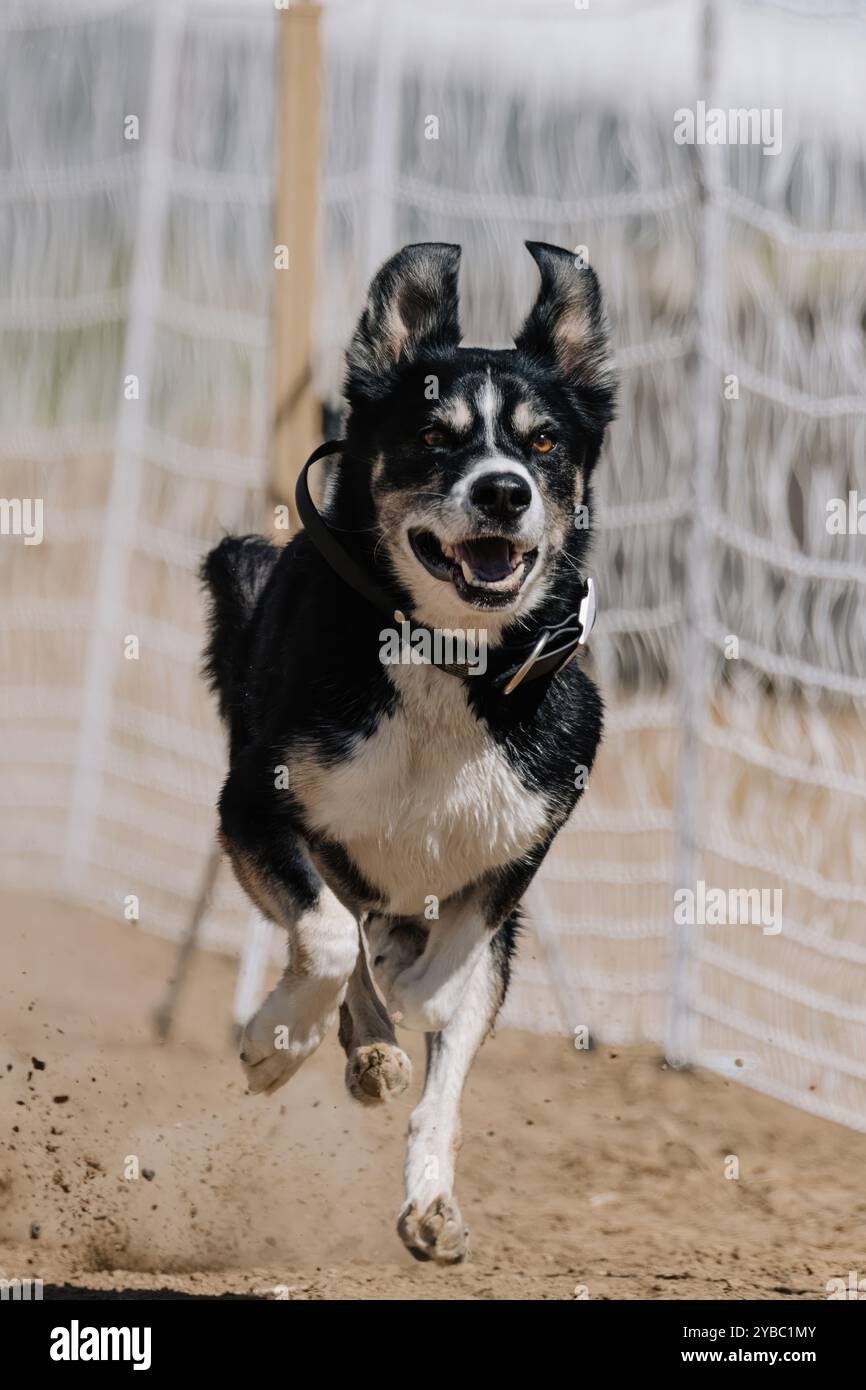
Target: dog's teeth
{"x":467,"y":573}
{"x":510,"y":581}
{"x":447,"y":550}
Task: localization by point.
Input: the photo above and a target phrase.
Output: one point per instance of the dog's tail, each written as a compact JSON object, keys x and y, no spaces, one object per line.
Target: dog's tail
{"x":235,"y":574}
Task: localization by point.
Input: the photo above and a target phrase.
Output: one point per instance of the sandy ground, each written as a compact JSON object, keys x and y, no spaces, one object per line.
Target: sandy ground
{"x":604,"y":1169}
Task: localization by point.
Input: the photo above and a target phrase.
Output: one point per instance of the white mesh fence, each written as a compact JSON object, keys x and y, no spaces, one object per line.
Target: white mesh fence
{"x":731,"y":645}
{"x":135,"y":322}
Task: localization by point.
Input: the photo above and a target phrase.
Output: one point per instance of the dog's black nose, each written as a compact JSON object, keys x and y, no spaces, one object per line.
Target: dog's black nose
{"x":501,"y":496}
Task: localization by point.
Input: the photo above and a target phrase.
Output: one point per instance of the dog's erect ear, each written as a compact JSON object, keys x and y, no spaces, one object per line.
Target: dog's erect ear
{"x":567,"y":325}
{"x":412,"y":304}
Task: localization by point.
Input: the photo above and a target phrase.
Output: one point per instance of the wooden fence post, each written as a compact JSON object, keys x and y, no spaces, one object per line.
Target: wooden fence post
{"x":297,"y":413}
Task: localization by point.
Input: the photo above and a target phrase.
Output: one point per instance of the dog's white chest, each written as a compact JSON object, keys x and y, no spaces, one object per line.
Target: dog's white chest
{"x":429,"y":802}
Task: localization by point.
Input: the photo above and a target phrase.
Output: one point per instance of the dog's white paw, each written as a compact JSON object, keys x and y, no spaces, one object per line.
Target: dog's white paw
{"x":377,"y":1072}
{"x":436,"y":1233}
{"x":288,"y":1027}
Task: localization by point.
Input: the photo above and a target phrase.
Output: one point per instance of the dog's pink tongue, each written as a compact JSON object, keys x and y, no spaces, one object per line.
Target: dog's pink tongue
{"x":488,"y":559}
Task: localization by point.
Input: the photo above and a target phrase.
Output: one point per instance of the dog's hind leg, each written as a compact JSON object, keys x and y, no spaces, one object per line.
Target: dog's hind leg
{"x":376,"y":1069}
{"x":430,"y":1223}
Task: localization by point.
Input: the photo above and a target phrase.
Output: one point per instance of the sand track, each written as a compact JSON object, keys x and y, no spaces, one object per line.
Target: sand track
{"x":603,"y":1169}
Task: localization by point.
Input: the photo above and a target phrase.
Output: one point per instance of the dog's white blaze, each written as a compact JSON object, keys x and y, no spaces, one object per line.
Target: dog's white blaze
{"x":427,"y":804}
{"x":489,"y":404}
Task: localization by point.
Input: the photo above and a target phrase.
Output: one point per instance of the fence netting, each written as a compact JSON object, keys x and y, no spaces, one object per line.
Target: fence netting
{"x":731,"y":642}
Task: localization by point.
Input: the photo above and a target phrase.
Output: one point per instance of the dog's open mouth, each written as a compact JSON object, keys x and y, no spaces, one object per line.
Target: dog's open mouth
{"x":486,"y":570}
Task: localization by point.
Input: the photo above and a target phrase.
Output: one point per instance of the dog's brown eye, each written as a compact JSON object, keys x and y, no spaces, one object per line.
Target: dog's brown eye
{"x":543,"y":443}
{"x":433,"y":438}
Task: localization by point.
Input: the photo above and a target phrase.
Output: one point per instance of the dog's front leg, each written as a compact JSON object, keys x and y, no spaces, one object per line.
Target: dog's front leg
{"x":295,"y":1017}
{"x":426,"y":986}
{"x":430,"y":1223}
{"x":425,"y":995}
{"x":273,"y":865}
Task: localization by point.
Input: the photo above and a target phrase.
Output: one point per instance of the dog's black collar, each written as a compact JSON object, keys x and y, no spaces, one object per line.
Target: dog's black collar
{"x":544,"y":655}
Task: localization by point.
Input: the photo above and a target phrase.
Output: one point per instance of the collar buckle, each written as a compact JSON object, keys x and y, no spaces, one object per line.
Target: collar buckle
{"x":585,"y":622}
{"x":586,"y":612}
{"x":523,"y":671}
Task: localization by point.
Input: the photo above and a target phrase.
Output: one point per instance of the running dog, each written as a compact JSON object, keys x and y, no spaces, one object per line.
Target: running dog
{"x":423,"y":793}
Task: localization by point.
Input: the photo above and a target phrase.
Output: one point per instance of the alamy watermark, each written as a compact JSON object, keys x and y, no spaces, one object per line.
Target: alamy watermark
{"x":853,"y":1288}
{"x":846,"y":516}
{"x":737,"y":126}
{"x":20,"y":1290}
{"x":721,"y":907}
{"x":77,"y":1343}
{"x":436,"y":646}
{"x":22,"y":516}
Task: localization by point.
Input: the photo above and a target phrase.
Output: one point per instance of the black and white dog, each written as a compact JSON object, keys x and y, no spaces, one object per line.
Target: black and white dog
{"x":424,"y":795}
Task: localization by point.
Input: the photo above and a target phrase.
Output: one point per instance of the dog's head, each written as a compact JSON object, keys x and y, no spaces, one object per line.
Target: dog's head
{"x":480,"y":459}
